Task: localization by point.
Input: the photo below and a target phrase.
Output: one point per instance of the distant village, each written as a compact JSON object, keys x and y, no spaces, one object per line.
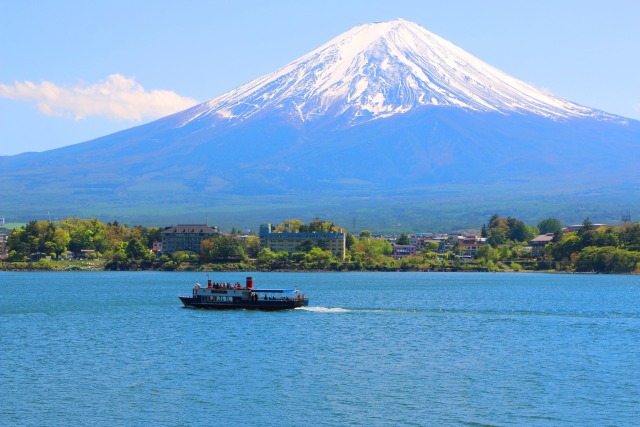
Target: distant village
{"x":504,"y":244}
{"x":190,"y":237}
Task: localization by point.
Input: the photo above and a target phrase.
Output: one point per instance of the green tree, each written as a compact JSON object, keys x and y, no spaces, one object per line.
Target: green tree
{"x":318,"y":226}
{"x":222,"y":247}
{"x":629,"y":236}
{"x":403,"y":240}
{"x":550,"y":225}
{"x":136,"y":249}
{"x":587,"y":226}
{"x":86,"y":234}
{"x":306,"y":245}
{"x":497,"y":236}
{"x":17,"y":244}
{"x":433,"y":246}
{"x":487,"y":253}
{"x":518,"y":231}
{"x":322,"y":244}
{"x":504,"y":252}
{"x":317,"y":258}
{"x":349,"y":241}
{"x":251,"y":246}
{"x":150,"y":235}
{"x":266,"y":258}
{"x":180,"y":257}
{"x":608,"y":259}
{"x":565,"y":247}
{"x":291,"y":225}
{"x":61,"y":238}
{"x":119,"y":261}
{"x":365,"y":234}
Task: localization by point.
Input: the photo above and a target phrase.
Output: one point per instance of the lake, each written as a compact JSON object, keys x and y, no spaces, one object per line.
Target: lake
{"x":381,"y":349}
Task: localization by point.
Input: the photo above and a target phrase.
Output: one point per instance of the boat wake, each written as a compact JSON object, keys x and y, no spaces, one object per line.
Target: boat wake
{"x":352,"y":310}
{"x":325,"y":309}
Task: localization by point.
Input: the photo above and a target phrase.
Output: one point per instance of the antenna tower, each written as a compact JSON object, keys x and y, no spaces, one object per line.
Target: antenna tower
{"x":626,"y":217}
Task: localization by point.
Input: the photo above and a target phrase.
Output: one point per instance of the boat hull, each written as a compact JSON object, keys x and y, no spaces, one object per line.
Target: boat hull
{"x":266,"y":305}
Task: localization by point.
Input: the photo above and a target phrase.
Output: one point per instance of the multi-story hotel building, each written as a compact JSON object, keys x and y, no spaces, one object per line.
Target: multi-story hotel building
{"x":186,"y":237}
{"x":290,"y":242}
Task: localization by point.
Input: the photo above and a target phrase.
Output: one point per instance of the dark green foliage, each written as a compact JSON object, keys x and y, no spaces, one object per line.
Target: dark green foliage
{"x":497,"y":236}
{"x":135,"y":249}
{"x":403,"y":240}
{"x":318,"y":226}
{"x":349,"y":241}
{"x":629,"y":236}
{"x":564,"y":248}
{"x":612,"y":250}
{"x":222,"y":247}
{"x":119,"y":261}
{"x":518,"y":231}
{"x":550,"y":225}
{"x":504,"y":230}
{"x":608,"y":259}
{"x":587,"y":226}
{"x":306,"y":245}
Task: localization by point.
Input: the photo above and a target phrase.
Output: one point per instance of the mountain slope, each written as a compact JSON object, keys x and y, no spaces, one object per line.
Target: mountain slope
{"x":384,"y":112}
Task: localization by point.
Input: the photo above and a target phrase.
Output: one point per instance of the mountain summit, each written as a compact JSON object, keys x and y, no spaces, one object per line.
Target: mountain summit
{"x":387,"y":122}
{"x":380,"y":69}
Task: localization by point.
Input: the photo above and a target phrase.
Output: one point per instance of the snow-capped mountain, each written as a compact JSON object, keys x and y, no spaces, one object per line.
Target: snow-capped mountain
{"x":381,"y":69}
{"x":387,"y":119}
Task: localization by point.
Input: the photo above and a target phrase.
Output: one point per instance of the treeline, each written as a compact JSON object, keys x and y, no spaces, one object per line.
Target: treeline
{"x":120,"y":247}
{"x":605,"y":249}
{"x":72,"y":236}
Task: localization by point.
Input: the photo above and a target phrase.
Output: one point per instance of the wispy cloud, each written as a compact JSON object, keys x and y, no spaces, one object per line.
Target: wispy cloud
{"x":117,"y":97}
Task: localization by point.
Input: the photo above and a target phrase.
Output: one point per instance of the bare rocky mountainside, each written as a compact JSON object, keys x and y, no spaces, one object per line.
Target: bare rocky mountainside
{"x":385,"y":124}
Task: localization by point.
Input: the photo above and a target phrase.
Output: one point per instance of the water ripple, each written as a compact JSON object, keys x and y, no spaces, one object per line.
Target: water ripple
{"x":448,"y":349}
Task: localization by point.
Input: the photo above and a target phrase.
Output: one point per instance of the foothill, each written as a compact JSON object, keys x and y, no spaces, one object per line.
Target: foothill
{"x":502,"y":244}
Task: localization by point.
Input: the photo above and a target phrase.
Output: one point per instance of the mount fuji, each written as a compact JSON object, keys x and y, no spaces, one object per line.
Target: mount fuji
{"x":383,"y":69}
{"x":386,"y":123}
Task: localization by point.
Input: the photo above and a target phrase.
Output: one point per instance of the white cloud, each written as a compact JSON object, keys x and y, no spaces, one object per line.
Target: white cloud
{"x":117,"y":97}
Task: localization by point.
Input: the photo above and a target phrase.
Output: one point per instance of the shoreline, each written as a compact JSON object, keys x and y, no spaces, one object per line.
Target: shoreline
{"x":256,"y":270}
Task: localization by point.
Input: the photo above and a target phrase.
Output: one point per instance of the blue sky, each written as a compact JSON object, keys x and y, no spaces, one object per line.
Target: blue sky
{"x":59,"y":59}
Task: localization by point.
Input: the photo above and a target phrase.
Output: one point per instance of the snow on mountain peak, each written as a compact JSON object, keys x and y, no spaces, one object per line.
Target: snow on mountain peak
{"x":380,"y":69}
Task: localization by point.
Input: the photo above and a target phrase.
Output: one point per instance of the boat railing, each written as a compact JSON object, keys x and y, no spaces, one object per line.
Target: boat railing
{"x":278,"y":295}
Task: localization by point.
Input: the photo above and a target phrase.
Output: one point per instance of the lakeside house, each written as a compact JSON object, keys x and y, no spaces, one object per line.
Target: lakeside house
{"x":539,"y":243}
{"x":186,"y":237}
{"x":468,"y":246}
{"x":403,"y":251}
{"x":465,"y":246}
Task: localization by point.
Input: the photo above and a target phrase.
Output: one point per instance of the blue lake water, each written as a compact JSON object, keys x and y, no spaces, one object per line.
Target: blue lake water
{"x":371,"y":349}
